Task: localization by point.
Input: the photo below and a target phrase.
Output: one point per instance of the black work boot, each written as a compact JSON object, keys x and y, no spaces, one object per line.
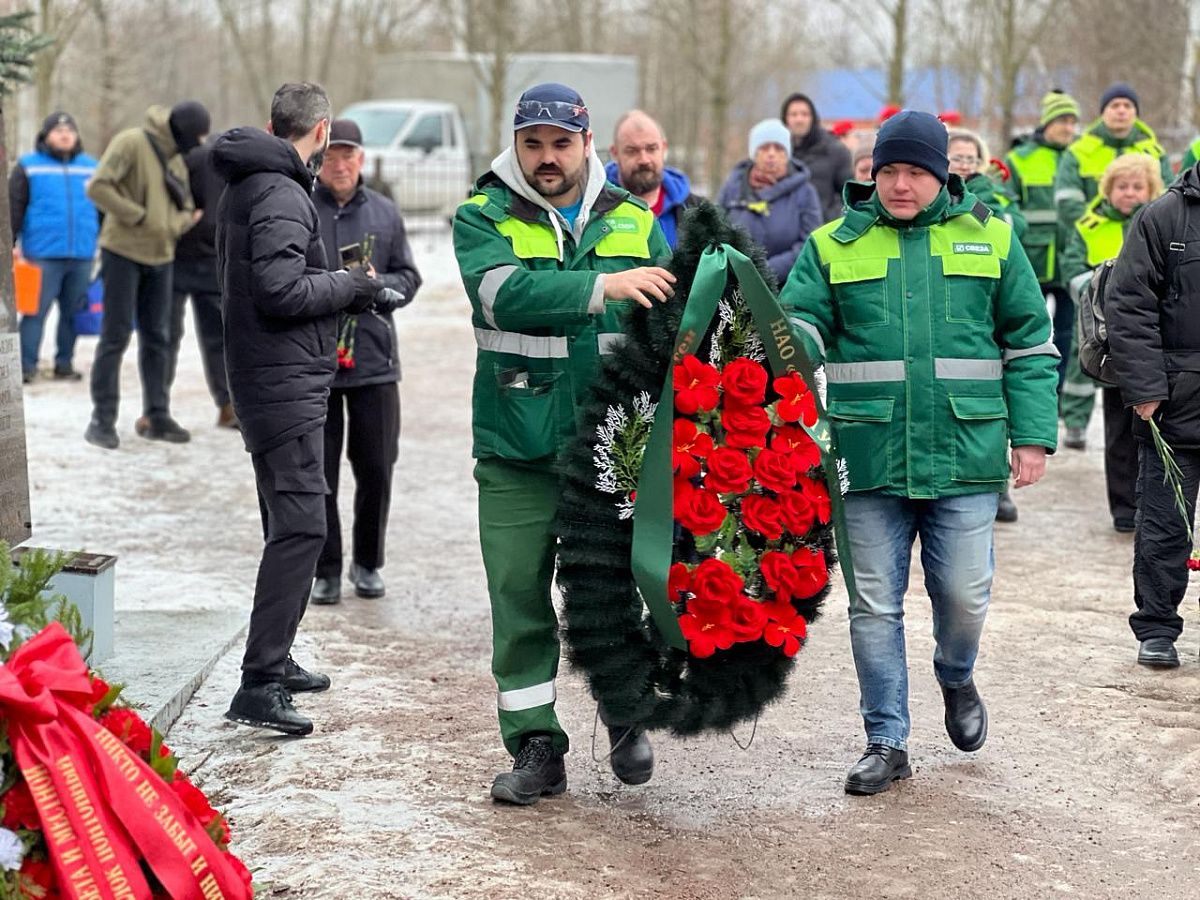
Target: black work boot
{"x":632,"y":757}
{"x":162,"y":429}
{"x":879,"y":767}
{"x":966,"y":717}
{"x":1158,"y":653}
{"x":367,"y":583}
{"x":297,"y":679}
{"x":1006,"y":509}
{"x":103,"y":436}
{"x":537,"y":771}
{"x":267,"y":706}
{"x":326,"y":591}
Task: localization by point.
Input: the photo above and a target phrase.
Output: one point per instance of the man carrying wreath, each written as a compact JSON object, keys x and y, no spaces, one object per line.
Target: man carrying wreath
{"x":550,"y":255}
{"x":938,"y":357}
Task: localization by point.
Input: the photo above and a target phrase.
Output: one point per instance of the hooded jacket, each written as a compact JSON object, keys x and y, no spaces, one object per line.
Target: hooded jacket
{"x":828,"y":161}
{"x":278,"y":300}
{"x":48,"y":204}
{"x":779,"y":218}
{"x":1153,"y":325}
{"x":677,"y":199}
{"x":141,"y":222}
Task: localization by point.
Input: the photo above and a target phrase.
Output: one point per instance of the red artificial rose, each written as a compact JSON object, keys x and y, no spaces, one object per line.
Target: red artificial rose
{"x":744,"y":382}
{"x":761,"y":514}
{"x":814,"y":574}
{"x":681,"y":491}
{"x":747,"y":619}
{"x":780,"y":575}
{"x":689,"y":447}
{"x":716,"y":586}
{"x":705,"y":636}
{"x":19,"y":809}
{"x":695,"y":385}
{"x":775,"y":471}
{"x":745,"y":426}
{"x":818,"y":495}
{"x":128,"y":727}
{"x":679,"y":581}
{"x":37,"y":880}
{"x":100,"y":689}
{"x":796,"y":401}
{"x":729,"y":471}
{"x":786,"y":628}
{"x":197,"y":804}
{"x":797,"y":512}
{"x":805,"y":453}
{"x":700,"y":512}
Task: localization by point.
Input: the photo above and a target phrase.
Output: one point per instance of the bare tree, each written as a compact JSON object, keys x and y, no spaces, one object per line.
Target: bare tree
{"x":58,"y":20}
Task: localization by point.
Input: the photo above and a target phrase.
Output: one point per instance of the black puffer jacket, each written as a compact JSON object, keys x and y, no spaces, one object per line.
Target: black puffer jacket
{"x":828,"y":161}
{"x":196,"y":253}
{"x":279,"y":301}
{"x":376,"y":357}
{"x":1154,"y":326}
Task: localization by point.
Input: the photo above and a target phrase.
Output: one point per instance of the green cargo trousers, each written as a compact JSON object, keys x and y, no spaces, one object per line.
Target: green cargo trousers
{"x":517,"y":504}
{"x":1078,"y":397}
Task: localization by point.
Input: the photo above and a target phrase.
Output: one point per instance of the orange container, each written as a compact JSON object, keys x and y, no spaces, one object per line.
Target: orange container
{"x":27,"y":282}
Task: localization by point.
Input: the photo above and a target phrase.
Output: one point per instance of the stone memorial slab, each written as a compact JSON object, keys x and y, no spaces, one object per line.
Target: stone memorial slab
{"x":15,"y":520}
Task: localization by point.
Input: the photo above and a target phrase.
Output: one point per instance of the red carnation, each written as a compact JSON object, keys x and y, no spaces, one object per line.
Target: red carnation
{"x":100,"y":689}
{"x":129,"y":728}
{"x":796,"y":443}
{"x":818,"y":495}
{"x":775,"y":471}
{"x":747,"y":619}
{"x":786,"y":628}
{"x":745,"y":426}
{"x":689,"y":447}
{"x":814,"y":574}
{"x":679,"y":581}
{"x":761,"y":514}
{"x":705,"y":636}
{"x":700,"y":512}
{"x":744,"y":382}
{"x":715,"y":585}
{"x":780,"y":574}
{"x":729,"y":471}
{"x":38,"y":880}
{"x":696,"y":386}
{"x":797,"y":512}
{"x":796,"y":403}
{"x":19,"y":809}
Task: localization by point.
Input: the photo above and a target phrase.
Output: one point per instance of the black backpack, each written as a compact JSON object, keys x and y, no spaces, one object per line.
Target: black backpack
{"x":1091,"y":331}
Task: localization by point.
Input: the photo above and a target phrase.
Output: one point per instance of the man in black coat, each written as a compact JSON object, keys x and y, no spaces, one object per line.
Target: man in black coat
{"x":364,"y":403}
{"x":1152,"y":310}
{"x":827,"y":159}
{"x":280,"y":308}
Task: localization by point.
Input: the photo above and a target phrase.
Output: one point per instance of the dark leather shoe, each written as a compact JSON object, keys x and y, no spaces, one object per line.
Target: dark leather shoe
{"x":66,"y":373}
{"x":103,"y":436}
{"x":326,"y":591}
{"x":367,"y":582}
{"x":267,"y":706}
{"x":297,"y":679}
{"x":1076,"y":439}
{"x":632,"y":757}
{"x":164,"y":429}
{"x":538,"y":771}
{"x":1158,"y":653}
{"x":1124,"y":526}
{"x":966,"y":717}
{"x":1006,"y":510}
{"x":878,"y":768}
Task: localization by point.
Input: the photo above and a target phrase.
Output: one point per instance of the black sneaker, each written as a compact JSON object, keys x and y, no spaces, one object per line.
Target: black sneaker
{"x":103,"y":436}
{"x":879,"y":767}
{"x":67,"y":373}
{"x":164,"y":429}
{"x":538,"y":771}
{"x":632,"y":757}
{"x":297,"y":679}
{"x":267,"y":706}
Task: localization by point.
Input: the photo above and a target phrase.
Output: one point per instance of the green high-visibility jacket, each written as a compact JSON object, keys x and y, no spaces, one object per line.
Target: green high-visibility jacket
{"x":541,"y":322}
{"x":995,"y":198}
{"x":1190,"y":156}
{"x":1096,"y":238}
{"x":936,"y":341}
{"x":1033,"y":164}
{"x":1077,"y":180}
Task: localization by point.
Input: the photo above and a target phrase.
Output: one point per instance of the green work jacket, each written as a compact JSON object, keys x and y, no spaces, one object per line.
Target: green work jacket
{"x":1096,"y":238}
{"x":1033,"y":165}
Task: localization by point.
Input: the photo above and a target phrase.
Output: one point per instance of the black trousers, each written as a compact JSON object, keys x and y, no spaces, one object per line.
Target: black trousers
{"x":206,"y":310}
{"x":1120,"y":456}
{"x":291,"y":497}
{"x":1160,"y":544}
{"x":367,"y":420}
{"x":132,"y":288}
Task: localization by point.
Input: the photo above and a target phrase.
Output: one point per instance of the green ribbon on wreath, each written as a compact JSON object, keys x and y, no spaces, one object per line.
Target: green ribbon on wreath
{"x":653,"y":517}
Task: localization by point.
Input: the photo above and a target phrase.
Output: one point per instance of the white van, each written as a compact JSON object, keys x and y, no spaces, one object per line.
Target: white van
{"x":422,"y":147}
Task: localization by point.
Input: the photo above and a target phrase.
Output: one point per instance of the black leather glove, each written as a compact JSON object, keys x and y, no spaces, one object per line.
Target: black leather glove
{"x":365,"y":289}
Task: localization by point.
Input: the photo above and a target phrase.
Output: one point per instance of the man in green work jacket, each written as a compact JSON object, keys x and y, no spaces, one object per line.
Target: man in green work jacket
{"x":938,"y":356}
{"x":550,"y":256}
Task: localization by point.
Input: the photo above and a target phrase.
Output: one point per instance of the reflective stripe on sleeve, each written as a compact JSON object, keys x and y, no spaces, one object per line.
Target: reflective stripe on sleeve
{"x":526,"y":698}
{"x":528,"y":345}
{"x":811,"y":330}
{"x":1046,"y":349}
{"x":489,"y":287}
{"x":1063,"y":194}
{"x":1040,"y":216}
{"x":950,"y":368}
{"x":863,"y":372}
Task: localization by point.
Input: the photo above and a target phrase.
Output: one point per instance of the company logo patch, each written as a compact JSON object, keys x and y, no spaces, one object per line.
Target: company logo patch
{"x":976,"y":249}
{"x":622,"y":225}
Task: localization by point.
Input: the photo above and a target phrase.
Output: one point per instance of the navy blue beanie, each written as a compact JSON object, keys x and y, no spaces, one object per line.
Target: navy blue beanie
{"x":913,"y":137}
{"x":1120,"y":89}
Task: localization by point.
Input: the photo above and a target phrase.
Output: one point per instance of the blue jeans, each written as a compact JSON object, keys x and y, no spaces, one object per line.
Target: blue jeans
{"x":64,"y":280}
{"x":956,"y":553}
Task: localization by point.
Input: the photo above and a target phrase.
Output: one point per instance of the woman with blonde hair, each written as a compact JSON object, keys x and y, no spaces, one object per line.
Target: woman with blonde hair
{"x":1129,"y":182}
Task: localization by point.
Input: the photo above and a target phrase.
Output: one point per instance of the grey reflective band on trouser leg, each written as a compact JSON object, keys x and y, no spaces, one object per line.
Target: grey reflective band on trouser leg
{"x":811,"y":330}
{"x":528,"y":345}
{"x":608,"y":342}
{"x":967,"y":369}
{"x":489,"y":287}
{"x":526,"y":698}
{"x":865,"y":372}
{"x":1040,"y":216}
{"x":1046,"y":349}
{"x":1079,"y":388}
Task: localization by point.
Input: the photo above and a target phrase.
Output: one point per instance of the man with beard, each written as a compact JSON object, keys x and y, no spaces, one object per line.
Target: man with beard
{"x":551,"y":254}
{"x":639,"y":156}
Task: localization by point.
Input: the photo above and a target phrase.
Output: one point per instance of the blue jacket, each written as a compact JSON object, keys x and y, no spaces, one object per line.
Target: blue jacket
{"x":678,"y":196}
{"x":779,"y":218}
{"x":58,"y":220}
